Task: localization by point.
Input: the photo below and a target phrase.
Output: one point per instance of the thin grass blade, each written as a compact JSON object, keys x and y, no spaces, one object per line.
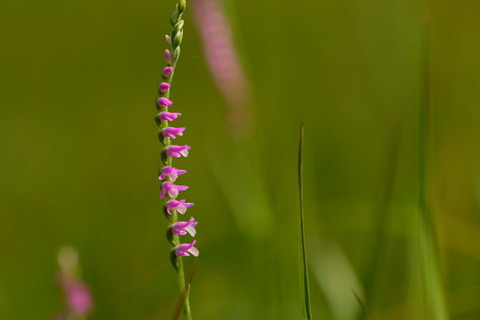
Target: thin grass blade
{"x":307,"y":312}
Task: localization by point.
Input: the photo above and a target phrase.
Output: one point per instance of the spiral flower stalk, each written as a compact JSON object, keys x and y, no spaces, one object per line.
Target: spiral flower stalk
{"x":169,"y":174}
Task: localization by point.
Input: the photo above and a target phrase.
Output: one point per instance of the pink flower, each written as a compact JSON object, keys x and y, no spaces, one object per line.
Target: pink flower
{"x":177,"y":151}
{"x":164,"y":102}
{"x":171,"y":189}
{"x":79,"y":301}
{"x":220,"y":52}
{"x":183,"y":227}
{"x":172,"y":131}
{"x":181,"y":206}
{"x":168,"y":116}
{"x":163,"y":87}
{"x":169,"y":40}
{"x":167,"y":71}
{"x":168,"y":56}
{"x":185,"y":248}
{"x":171,"y":173}
{"x":79,"y":298}
{"x":77,"y":295}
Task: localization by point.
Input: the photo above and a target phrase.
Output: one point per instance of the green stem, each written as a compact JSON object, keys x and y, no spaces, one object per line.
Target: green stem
{"x":433,"y":288}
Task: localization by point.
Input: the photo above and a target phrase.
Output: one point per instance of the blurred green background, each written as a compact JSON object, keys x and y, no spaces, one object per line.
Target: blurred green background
{"x":79,"y":158}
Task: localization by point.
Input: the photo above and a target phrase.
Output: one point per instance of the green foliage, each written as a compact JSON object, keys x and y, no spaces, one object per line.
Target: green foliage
{"x":304,"y":282}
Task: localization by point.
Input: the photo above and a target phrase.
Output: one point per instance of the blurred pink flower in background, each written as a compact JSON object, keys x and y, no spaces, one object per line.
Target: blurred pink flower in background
{"x":224,"y":63}
{"x":78,"y":298}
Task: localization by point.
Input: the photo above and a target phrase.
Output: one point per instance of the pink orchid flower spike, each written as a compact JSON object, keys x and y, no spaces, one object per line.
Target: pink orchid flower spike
{"x":164,"y":102}
{"x":163,"y":87}
{"x":172,"y":173}
{"x":180,"y":206}
{"x":177,"y":151}
{"x":168,"y":56}
{"x":185,"y":249}
{"x":172,"y":132}
{"x":171,"y":189}
{"x":167,"y":71}
{"x":168,"y":116}
{"x":182,"y":227}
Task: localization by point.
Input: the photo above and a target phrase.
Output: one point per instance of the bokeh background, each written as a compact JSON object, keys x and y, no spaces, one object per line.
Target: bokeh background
{"x":79,"y":158}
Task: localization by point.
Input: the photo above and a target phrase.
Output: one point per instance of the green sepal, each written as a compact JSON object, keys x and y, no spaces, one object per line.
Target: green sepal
{"x":163,"y":156}
{"x":160,"y":136}
{"x":178,"y":39}
{"x":177,"y":27}
{"x":176,"y":54}
{"x":173,"y":259}
{"x":182,"y":5}
{"x":174,"y":17}
{"x":169,"y":230}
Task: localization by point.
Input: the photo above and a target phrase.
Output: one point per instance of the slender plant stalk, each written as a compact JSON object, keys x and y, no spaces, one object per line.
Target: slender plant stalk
{"x":172,"y":58}
{"x":307,"y":312}
{"x":378,"y":243}
{"x":430,"y":268}
{"x":183,"y":295}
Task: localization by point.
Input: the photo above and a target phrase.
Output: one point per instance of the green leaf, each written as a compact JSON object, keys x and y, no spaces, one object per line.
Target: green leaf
{"x":307,"y":312}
